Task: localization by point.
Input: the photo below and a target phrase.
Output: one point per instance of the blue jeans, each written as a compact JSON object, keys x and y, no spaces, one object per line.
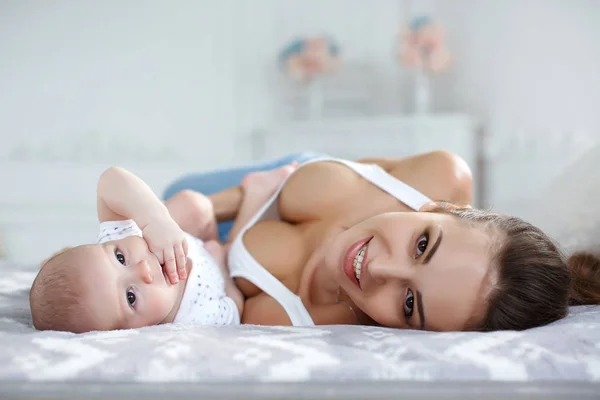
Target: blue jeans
{"x":217,"y":181}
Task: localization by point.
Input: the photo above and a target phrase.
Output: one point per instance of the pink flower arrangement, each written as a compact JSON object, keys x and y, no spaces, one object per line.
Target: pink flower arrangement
{"x":306,"y":58}
{"x":423,"y":46}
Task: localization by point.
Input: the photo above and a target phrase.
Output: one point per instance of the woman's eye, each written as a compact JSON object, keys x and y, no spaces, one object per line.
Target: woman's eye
{"x":409,"y":303}
{"x":422,"y":244}
{"x":131,"y":297}
{"x":120,"y":257}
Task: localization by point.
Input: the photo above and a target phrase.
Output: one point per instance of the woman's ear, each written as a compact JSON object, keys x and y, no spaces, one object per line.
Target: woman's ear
{"x":436,"y":205}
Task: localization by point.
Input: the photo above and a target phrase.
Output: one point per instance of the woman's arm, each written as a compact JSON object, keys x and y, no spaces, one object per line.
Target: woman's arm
{"x":441,"y":175}
{"x":318,"y":189}
{"x":385,"y":163}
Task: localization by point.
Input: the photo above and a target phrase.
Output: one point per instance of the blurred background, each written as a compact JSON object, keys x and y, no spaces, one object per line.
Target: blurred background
{"x":168,"y":88}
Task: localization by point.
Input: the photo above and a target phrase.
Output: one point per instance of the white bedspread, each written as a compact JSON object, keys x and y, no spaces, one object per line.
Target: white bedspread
{"x":566,"y":350}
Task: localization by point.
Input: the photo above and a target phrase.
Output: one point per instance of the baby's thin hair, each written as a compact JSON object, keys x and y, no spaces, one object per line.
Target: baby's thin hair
{"x":54,"y":296}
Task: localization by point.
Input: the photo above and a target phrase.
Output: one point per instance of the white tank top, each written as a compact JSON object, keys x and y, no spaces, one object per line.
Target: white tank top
{"x":243,"y":265}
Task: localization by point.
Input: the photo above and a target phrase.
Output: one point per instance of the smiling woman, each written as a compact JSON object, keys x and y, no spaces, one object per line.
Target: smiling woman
{"x":341,"y":243}
{"x":415,"y":263}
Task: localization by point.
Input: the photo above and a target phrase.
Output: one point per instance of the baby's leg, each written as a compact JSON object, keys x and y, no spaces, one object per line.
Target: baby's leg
{"x":231,"y":290}
{"x":258,"y":187}
{"x":194,"y":214}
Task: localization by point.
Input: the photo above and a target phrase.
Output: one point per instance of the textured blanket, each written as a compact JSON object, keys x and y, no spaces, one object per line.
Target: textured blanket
{"x":568,"y":350}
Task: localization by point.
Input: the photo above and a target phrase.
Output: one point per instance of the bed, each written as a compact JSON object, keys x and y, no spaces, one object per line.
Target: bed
{"x":558,"y":361}
{"x":256,"y":362}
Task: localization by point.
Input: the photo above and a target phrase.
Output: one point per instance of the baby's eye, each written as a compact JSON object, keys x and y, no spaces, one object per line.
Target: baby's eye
{"x":120,"y":257}
{"x":422,"y":244}
{"x":131,"y":297}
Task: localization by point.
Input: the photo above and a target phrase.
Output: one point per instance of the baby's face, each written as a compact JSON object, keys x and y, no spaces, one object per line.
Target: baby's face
{"x":124,"y":286}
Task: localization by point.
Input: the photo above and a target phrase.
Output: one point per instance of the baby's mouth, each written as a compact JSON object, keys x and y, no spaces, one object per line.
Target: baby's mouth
{"x":162,"y":271}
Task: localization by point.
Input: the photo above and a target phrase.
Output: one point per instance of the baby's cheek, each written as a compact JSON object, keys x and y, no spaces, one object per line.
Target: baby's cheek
{"x":159,"y":305}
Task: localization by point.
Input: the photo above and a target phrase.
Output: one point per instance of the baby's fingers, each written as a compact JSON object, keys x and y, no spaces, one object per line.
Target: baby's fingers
{"x":181,"y":261}
{"x":170,"y":265}
{"x":185,"y":247}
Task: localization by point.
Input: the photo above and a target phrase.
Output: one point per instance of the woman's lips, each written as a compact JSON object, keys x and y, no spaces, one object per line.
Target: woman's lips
{"x":349,"y":259}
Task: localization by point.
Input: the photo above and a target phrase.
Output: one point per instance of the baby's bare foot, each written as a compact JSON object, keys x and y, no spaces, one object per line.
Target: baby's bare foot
{"x":266,"y":182}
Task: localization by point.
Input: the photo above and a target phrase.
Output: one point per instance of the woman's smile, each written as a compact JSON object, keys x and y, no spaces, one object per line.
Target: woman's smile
{"x":354,"y":264}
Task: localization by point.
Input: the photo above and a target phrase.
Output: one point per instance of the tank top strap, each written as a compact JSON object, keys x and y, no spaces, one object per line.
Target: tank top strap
{"x":390,"y":184}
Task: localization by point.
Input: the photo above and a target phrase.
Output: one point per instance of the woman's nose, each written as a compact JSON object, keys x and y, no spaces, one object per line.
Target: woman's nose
{"x":382,"y":270}
{"x":143,"y":271}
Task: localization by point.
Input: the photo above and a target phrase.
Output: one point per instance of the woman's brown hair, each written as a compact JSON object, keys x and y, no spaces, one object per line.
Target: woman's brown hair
{"x":536,"y":282}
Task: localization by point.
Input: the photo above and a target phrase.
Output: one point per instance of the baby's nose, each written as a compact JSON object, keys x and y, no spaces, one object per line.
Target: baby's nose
{"x":143,"y":269}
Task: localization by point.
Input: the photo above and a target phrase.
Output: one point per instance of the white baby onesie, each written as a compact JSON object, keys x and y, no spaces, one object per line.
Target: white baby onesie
{"x":204,"y":300}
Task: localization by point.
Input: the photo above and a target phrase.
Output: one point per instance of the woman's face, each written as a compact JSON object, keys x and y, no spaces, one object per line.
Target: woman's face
{"x":415,"y":270}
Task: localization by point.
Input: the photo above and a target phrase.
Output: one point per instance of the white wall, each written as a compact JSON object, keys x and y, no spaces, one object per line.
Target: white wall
{"x":524,"y":64}
{"x":530,"y":70}
{"x":152,"y":71}
{"x":204,"y":70}
{"x":86,"y":84}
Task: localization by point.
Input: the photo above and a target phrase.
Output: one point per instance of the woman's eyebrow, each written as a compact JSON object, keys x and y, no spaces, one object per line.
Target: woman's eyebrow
{"x":433,"y":248}
{"x":420,"y":307}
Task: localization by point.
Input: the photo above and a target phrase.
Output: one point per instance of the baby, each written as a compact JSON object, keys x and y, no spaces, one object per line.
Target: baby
{"x":145,"y":270}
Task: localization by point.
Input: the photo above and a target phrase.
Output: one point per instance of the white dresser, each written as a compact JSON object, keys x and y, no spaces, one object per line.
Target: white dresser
{"x":385,"y":136}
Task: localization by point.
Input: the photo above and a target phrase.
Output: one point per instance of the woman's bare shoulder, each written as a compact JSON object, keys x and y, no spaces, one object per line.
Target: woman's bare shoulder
{"x":440,"y":175}
{"x":321,"y":188}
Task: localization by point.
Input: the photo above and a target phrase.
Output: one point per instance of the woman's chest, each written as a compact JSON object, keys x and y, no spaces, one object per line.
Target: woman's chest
{"x":332,"y":199}
{"x":282,"y":249}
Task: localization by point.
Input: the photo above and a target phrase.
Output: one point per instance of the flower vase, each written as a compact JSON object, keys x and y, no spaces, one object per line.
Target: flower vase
{"x":315,"y":98}
{"x":422,"y":92}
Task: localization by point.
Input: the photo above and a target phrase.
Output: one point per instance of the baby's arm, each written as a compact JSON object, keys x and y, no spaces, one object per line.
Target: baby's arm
{"x":122,"y":195}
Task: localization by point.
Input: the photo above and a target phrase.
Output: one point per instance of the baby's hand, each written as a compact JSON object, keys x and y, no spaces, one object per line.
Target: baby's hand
{"x":167,"y":242}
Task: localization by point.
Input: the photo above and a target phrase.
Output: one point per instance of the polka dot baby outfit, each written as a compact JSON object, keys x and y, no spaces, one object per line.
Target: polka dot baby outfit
{"x":204,"y":300}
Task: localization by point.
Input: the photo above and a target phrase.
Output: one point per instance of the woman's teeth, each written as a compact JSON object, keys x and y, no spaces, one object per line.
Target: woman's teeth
{"x":358,"y":262}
